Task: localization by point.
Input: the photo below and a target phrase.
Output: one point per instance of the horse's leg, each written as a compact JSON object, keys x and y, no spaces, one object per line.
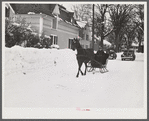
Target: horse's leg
{"x":81,"y":71}
{"x":79,"y":68}
{"x":85,"y":68}
{"x":78,"y":72}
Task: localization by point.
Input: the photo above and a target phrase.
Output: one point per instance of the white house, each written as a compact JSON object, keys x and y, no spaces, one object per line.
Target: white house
{"x":52,"y":19}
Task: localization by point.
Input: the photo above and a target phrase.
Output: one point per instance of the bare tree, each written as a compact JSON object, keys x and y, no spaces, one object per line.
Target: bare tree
{"x":139,"y":21}
{"x":82,"y":12}
{"x":101,"y":22}
{"x":120,"y":15}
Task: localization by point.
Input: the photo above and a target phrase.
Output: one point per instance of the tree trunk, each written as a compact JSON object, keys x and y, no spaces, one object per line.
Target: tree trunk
{"x":139,"y":48}
{"x":102,"y":37}
{"x":117,"y":41}
{"x":102,"y":31}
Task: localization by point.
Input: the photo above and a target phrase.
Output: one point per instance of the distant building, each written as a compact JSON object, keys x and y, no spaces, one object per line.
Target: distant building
{"x":86,"y":36}
{"x":52,"y":19}
{"x":85,"y":33}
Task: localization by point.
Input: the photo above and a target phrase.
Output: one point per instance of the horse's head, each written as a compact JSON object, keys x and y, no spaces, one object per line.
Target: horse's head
{"x":75,"y":44}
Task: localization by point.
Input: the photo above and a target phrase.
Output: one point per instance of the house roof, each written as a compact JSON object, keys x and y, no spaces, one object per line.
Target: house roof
{"x":47,"y":9}
{"x":83,"y":24}
{"x":26,"y":8}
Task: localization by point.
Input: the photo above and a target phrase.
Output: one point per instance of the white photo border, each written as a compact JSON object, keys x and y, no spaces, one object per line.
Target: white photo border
{"x":72,"y":113}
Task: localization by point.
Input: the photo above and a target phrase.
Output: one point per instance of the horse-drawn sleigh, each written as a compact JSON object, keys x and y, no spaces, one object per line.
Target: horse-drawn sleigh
{"x":99,"y":61}
{"x":91,"y":60}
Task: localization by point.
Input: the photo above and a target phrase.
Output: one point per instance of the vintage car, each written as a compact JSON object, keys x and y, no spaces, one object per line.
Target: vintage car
{"x":128,"y":54}
{"x":112,"y":54}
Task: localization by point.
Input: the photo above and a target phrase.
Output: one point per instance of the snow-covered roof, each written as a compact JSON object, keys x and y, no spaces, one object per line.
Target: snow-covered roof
{"x":105,"y":42}
{"x":81,"y":23}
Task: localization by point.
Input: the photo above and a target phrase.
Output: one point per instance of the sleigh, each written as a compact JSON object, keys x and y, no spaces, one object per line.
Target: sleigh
{"x":99,"y":62}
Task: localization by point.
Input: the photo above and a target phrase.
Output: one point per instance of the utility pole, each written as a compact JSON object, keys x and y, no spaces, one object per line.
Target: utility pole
{"x":93,"y":29}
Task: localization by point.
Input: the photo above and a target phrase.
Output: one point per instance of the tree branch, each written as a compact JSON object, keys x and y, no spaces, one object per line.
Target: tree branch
{"x":109,"y":32}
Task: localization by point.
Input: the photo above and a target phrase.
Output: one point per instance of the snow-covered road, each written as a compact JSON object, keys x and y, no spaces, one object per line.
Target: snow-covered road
{"x":47,"y":78}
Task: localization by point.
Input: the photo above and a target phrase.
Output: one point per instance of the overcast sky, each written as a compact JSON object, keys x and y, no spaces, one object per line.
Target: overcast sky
{"x":68,"y":6}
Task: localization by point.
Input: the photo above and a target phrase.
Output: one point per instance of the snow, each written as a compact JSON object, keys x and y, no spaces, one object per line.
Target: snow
{"x":46,"y":36}
{"x":47,"y":78}
{"x":55,"y":46}
{"x":16,"y":24}
{"x":28,"y":28}
{"x":31,"y":13}
{"x":81,"y":23}
{"x":135,"y":44}
{"x":105,"y":42}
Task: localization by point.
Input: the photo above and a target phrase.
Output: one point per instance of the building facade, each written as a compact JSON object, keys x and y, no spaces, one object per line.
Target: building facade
{"x":51,"y":19}
{"x":85,"y":34}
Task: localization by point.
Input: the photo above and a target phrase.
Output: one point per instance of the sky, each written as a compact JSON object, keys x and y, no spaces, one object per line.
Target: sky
{"x":68,"y":6}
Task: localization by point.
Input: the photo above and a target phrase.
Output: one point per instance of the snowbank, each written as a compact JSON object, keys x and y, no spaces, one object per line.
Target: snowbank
{"x":19,"y":59}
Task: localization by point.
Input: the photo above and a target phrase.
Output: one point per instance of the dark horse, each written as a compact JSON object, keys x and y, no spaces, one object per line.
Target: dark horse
{"x":83,"y":55}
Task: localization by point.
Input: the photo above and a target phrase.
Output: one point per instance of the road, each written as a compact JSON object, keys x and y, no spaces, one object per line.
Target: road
{"x":57,"y":86}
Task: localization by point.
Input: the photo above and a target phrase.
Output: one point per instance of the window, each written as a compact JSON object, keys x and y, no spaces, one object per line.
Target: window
{"x":70,"y":43}
{"x":82,"y":36}
{"x":54,"y":39}
{"x":87,"y":37}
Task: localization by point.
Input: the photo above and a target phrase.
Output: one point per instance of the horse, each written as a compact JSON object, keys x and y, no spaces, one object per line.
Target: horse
{"x":83,"y":55}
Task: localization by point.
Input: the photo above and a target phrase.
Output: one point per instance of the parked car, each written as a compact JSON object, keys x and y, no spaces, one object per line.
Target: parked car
{"x":128,"y":54}
{"x":112,"y":54}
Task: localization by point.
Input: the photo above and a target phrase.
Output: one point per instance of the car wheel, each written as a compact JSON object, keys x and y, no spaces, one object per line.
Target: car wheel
{"x":134,"y":57}
{"x":115,"y":56}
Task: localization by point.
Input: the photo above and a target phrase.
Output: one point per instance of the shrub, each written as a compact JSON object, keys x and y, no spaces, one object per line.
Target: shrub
{"x":21,"y":34}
